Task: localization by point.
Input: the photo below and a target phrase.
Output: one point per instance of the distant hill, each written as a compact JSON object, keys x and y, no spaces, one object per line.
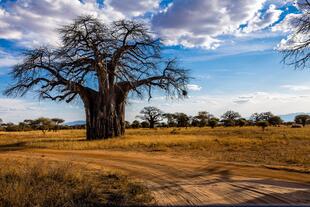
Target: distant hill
{"x":290,"y":117}
{"x":75,"y":123}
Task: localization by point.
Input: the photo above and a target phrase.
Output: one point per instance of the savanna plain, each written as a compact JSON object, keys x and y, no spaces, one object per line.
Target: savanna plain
{"x":163,"y":166}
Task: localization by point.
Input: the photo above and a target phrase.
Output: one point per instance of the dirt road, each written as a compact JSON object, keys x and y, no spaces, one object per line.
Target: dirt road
{"x":180,"y":181}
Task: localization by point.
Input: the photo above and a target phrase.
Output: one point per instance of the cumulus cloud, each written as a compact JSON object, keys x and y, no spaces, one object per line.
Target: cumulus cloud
{"x":133,"y":7}
{"x":193,"y":87}
{"x":263,"y":20}
{"x":200,"y":22}
{"x":33,"y":22}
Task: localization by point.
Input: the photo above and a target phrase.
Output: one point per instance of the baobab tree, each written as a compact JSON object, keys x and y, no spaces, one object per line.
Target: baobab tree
{"x":101,"y":64}
{"x":152,"y":115}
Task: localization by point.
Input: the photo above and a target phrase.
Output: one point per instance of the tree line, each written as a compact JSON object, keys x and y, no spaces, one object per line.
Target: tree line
{"x":151,"y":117}
{"x":43,"y":124}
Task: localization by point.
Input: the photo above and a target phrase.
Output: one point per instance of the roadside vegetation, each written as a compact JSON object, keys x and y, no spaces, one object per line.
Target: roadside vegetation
{"x":30,"y":183}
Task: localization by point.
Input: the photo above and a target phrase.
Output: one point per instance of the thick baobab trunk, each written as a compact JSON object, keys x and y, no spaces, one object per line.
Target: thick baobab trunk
{"x":104,"y":119}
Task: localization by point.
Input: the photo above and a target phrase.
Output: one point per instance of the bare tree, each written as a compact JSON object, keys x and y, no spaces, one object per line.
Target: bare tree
{"x":297,"y":48}
{"x":152,"y":115}
{"x":101,"y":64}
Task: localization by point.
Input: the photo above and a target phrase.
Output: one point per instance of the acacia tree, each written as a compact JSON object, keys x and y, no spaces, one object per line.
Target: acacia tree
{"x":296,"y":49}
{"x":302,"y":119}
{"x":101,"y":64}
{"x":152,"y":115}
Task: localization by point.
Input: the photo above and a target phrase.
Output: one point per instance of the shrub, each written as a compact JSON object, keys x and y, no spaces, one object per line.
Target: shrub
{"x":262,"y":124}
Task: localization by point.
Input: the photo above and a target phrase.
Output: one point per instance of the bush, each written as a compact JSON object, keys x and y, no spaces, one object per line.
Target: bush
{"x":65,"y":185}
{"x":262,"y":124}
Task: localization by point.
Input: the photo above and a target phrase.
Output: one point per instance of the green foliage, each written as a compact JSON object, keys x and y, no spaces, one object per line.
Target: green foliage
{"x":302,"y":119}
{"x":213,"y":122}
{"x":275,"y":120}
{"x":241,"y":122}
{"x":135,"y":124}
{"x":231,"y":115}
{"x":262,"y":124}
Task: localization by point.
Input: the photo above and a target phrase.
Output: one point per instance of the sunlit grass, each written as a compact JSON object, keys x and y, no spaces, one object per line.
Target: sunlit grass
{"x":40,"y":183}
{"x":276,"y":145}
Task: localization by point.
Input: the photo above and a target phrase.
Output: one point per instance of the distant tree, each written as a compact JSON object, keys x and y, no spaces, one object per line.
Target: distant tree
{"x":302,"y":119}
{"x":275,"y":120}
{"x":145,"y":124}
{"x":127,"y":124}
{"x":264,"y":116}
{"x":195,"y":122}
{"x":241,"y":122}
{"x":262,"y":124}
{"x":1,"y":121}
{"x":57,"y":123}
{"x":296,"y":48}
{"x":182,"y":119}
{"x":135,"y":124}
{"x":229,"y":118}
{"x":213,"y":122}
{"x":43,"y":124}
{"x":152,"y":115}
{"x":171,"y":121}
{"x":203,"y":117}
{"x":24,"y":126}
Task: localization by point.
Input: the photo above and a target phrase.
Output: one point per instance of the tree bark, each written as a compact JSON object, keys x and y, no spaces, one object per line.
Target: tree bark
{"x":105,"y":117}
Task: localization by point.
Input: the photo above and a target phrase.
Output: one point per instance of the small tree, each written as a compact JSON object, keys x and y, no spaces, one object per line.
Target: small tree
{"x":229,"y":118}
{"x":57,"y":123}
{"x":145,"y":124}
{"x":275,"y":120}
{"x":213,"y":122}
{"x":264,"y":116}
{"x":302,"y":119}
{"x":43,"y":124}
{"x":262,"y":124}
{"x":152,"y":115}
{"x":127,"y":124}
{"x":135,"y":124}
{"x":203,"y":117}
{"x":182,"y":119}
{"x":171,"y":121}
{"x":241,"y":122}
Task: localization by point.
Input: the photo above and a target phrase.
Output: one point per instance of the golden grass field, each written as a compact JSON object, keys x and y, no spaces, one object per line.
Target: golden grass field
{"x":274,"y":146}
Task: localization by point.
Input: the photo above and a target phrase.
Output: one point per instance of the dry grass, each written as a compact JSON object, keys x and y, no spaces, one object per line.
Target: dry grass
{"x":276,"y":145}
{"x":24,"y":183}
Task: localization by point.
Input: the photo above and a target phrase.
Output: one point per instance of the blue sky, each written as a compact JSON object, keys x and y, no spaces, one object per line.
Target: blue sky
{"x":229,"y":46}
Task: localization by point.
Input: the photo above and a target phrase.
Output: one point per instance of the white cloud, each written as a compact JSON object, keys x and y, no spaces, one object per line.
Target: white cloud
{"x":263,"y":20}
{"x":200,"y":22}
{"x":296,"y":87}
{"x":33,"y":22}
{"x":133,"y":7}
{"x":193,"y":87}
